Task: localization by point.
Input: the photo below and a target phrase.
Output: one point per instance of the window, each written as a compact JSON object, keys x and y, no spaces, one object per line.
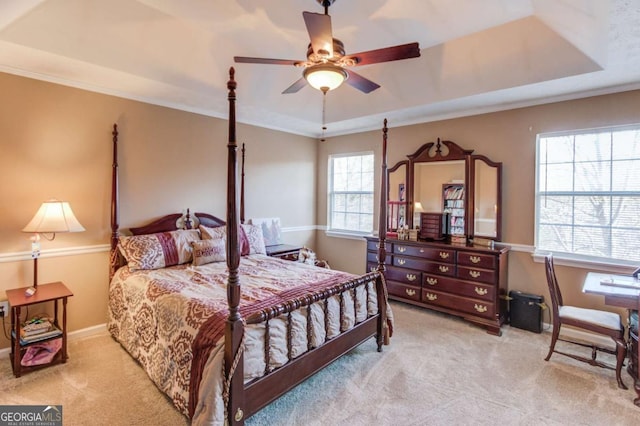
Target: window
{"x":351,"y":193}
{"x":588,"y":194}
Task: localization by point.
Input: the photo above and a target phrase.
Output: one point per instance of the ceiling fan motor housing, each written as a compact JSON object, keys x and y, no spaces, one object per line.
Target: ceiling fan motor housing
{"x":323,"y":55}
{"x":325,"y":3}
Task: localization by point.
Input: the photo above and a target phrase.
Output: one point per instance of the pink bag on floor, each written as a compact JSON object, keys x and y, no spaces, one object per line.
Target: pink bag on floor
{"x":41,"y":353}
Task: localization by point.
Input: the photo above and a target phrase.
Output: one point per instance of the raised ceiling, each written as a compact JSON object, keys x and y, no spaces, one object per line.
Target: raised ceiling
{"x":476,"y":56}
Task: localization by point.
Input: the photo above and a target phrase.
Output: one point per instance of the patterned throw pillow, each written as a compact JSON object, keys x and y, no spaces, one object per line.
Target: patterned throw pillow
{"x":248,"y":245}
{"x":256,"y":239}
{"x":154,"y":251}
{"x":208,"y":251}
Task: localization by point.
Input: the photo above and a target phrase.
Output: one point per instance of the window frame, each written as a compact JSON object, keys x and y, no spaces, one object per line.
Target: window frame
{"x":572,"y":258}
{"x":348,"y":233}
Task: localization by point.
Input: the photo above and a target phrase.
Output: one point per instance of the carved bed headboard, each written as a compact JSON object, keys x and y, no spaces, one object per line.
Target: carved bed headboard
{"x":166,"y":223}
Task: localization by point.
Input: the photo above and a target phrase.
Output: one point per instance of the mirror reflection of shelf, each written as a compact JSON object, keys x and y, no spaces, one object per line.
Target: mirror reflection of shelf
{"x":453,"y":205}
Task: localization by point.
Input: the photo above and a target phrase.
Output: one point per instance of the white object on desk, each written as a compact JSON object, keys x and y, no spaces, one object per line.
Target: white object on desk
{"x":622,"y":281}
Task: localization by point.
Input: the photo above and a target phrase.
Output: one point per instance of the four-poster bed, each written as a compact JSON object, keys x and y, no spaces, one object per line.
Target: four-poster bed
{"x":223,"y":340}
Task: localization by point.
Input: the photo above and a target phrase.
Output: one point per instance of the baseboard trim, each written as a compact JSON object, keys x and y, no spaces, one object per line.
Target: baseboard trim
{"x":74,"y":335}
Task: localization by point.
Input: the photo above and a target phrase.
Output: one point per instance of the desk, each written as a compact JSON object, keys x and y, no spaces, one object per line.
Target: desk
{"x":621,"y":297}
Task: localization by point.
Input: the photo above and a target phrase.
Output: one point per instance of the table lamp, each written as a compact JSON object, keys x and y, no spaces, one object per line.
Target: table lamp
{"x":53,"y":217}
{"x":417,"y":209}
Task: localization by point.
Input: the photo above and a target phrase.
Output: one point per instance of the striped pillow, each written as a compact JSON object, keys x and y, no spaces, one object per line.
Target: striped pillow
{"x":154,"y":251}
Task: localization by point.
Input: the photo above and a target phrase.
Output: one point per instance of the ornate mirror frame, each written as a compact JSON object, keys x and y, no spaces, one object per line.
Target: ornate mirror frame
{"x":482,"y":176}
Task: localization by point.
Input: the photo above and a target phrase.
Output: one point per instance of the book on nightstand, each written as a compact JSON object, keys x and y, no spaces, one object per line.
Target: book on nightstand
{"x":53,"y":331}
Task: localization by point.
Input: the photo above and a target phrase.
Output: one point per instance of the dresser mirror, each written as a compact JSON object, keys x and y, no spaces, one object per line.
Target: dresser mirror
{"x":397,"y":195}
{"x":438,"y":169}
{"x":486,"y":198}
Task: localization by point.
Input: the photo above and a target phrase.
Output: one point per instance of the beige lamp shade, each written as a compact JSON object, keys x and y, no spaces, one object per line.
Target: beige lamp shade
{"x":417,"y":207}
{"x":54,"y":216}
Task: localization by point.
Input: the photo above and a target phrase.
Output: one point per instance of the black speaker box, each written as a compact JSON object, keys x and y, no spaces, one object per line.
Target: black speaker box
{"x":525,"y":311}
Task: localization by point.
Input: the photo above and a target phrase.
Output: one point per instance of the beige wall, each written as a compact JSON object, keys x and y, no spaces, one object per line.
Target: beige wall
{"x":55,"y":141}
{"x":508,"y":137}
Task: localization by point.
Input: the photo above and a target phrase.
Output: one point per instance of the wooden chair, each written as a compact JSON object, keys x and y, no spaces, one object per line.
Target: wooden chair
{"x":592,"y":320}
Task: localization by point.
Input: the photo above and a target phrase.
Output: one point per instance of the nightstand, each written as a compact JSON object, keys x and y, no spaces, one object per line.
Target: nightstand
{"x":52,"y":292}
{"x":284,"y":251}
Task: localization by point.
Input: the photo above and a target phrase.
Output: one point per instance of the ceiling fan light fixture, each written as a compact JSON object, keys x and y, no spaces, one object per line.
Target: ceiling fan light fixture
{"x":325,"y":77}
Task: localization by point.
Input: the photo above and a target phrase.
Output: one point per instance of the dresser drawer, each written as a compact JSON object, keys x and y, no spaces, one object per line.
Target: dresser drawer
{"x":460,"y":288}
{"x":458,"y":303}
{"x":402,"y":290}
{"x":372,"y":256}
{"x":477,"y":274}
{"x":431,"y":253}
{"x":407,"y":276}
{"x":374,"y":245}
{"x":485,"y":261}
{"x":447,"y":269}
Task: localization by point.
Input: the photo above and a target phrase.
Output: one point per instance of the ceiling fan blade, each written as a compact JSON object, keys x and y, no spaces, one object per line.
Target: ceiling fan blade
{"x":320,"y":33}
{"x":295,"y":87}
{"x":386,"y":54}
{"x":268,"y":61}
{"x":359,"y":82}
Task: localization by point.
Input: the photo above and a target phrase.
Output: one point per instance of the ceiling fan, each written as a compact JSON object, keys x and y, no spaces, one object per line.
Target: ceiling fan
{"x":326,"y":65}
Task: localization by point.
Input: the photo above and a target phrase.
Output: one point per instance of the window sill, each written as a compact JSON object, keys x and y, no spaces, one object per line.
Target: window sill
{"x":348,"y":235}
{"x":615,"y":266}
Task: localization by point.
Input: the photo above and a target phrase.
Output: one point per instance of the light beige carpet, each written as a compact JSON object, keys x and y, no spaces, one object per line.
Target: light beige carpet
{"x":438,"y":370}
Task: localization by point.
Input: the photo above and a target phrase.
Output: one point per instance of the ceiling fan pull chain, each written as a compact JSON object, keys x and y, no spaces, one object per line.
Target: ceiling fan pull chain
{"x":324,"y":110}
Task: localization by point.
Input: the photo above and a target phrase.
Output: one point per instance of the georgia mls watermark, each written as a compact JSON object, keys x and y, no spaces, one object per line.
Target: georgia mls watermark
{"x":30,"y":415}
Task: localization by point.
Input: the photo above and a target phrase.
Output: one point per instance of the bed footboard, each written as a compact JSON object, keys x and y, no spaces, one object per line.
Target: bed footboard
{"x":299,"y":367}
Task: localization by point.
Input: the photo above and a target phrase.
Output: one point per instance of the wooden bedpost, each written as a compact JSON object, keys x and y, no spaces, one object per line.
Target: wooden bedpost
{"x":242,"y":188}
{"x":382,"y":235}
{"x":113,"y":254}
{"x":234,"y":331}
{"x":384,"y":190}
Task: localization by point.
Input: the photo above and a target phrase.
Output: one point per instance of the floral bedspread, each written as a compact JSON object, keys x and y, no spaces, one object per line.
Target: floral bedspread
{"x":157,"y":314}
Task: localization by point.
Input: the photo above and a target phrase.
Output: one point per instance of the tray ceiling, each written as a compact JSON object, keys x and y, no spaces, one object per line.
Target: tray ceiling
{"x":476,"y":56}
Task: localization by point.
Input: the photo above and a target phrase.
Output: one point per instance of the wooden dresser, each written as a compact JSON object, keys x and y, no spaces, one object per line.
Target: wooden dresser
{"x":463,"y":280}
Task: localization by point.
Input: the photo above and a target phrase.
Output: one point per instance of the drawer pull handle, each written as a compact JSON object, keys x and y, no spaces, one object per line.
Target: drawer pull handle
{"x":444,"y":255}
{"x":443,"y":268}
{"x":432,"y":281}
{"x":402,"y":249}
{"x":421,"y":250}
{"x":431,"y":296}
{"x":474,"y":274}
{"x":411,"y":277}
{"x":474,"y":259}
{"x":481,"y":291}
{"x":480,"y":308}
{"x":401,"y":261}
{"x":410,"y":292}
